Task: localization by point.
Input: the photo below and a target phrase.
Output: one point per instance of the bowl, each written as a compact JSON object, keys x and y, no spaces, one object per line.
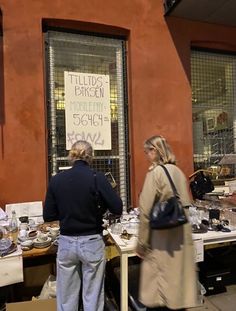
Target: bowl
{"x":24,"y":219}
{"x":32,"y":234}
{"x":27,"y":245}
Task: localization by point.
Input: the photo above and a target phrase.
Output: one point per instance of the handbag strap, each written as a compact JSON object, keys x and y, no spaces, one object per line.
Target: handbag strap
{"x":96,"y":189}
{"x":170,"y":180}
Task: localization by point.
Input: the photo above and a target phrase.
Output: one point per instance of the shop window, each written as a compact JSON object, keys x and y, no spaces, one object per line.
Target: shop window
{"x":213,"y":79}
{"x":89,"y":58}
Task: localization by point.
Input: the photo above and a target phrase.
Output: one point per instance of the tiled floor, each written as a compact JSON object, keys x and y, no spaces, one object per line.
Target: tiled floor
{"x":221,"y":302}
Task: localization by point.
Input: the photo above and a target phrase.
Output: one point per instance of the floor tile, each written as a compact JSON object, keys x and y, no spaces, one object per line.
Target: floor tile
{"x":221,"y":302}
{"x":207,"y":305}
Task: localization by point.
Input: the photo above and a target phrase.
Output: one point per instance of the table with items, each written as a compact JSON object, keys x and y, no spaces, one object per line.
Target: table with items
{"x":212,"y":223}
{"x":211,"y":226}
{"x":28,"y":240}
{"x":27,"y":259}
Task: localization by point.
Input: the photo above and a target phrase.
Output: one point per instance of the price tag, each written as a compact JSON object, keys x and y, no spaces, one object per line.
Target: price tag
{"x":199,"y":250}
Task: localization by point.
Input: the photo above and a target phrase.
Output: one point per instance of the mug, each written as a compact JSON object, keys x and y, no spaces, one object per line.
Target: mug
{"x":54,"y":231}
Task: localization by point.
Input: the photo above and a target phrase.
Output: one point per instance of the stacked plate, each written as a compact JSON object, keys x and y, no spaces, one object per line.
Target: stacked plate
{"x":39,"y":243}
{"x":53,"y":236}
{"x":7,"y":247}
{"x":5,"y":243}
{"x":22,"y":239}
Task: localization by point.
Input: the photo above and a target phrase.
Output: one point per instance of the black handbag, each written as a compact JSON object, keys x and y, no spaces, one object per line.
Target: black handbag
{"x":170,"y":213}
{"x":201,"y":185}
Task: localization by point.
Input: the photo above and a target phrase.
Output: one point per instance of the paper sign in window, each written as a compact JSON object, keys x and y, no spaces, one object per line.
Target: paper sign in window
{"x":87,"y":109}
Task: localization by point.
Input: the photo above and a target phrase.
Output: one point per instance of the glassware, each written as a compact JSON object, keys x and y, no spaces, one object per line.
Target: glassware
{"x":13,"y":226}
{"x":132,"y":226}
{"x":116,"y":228}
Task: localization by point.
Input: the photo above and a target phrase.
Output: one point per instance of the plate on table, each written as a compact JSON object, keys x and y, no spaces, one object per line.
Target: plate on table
{"x":5,"y":243}
{"x":27,"y":238}
{"x":53,"y":236}
{"x":38,"y":243}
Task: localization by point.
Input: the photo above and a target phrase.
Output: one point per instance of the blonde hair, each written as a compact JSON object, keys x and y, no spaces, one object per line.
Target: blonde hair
{"x":164,"y":152}
{"x":81,"y":150}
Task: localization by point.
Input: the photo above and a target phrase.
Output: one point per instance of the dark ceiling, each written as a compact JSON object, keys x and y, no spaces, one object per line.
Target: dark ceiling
{"x":211,"y":11}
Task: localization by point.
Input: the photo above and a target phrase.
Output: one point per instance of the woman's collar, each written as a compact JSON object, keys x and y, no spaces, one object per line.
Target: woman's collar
{"x":152,"y":166}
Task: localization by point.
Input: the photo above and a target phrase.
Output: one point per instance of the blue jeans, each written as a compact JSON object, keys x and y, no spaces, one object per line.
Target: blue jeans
{"x":80,"y":259}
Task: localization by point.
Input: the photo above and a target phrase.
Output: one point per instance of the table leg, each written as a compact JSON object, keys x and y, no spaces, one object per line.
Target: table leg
{"x":124,"y":282}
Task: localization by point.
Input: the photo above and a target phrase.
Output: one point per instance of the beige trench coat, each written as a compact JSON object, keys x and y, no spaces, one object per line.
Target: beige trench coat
{"x":168,"y":272}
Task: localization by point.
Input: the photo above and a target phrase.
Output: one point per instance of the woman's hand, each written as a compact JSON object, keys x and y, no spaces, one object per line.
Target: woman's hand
{"x":140,"y":255}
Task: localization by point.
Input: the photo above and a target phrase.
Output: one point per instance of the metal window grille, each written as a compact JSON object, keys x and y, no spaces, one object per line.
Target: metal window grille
{"x":214,"y":112}
{"x":88,"y":54}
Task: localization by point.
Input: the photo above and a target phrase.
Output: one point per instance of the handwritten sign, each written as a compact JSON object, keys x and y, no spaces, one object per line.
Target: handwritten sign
{"x":31,"y":209}
{"x":87,"y":109}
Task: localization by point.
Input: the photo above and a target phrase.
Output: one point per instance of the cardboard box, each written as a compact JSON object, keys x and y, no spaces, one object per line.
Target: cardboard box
{"x":35,"y":305}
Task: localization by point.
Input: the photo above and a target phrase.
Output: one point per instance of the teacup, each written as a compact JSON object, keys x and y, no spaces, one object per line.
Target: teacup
{"x":42,"y":237}
{"x":54,"y":231}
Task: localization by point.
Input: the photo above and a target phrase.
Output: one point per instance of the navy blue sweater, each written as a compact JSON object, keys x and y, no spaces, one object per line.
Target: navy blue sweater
{"x":71,"y":199}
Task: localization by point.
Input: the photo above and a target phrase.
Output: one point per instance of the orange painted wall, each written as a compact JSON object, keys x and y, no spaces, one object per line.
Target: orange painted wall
{"x":158,"y":82}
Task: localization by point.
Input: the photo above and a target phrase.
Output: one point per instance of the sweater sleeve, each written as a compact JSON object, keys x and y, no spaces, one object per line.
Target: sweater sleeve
{"x":110,"y":198}
{"x":50,"y":211}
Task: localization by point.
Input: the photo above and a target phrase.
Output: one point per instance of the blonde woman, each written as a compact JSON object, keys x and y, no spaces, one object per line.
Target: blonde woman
{"x":72,"y":198}
{"x":168,"y":279}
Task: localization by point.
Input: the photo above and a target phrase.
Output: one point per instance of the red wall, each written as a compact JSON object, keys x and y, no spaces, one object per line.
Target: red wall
{"x":158,"y":81}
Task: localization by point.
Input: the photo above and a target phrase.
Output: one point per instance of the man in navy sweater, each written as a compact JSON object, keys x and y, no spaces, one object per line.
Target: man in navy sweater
{"x":77,"y":198}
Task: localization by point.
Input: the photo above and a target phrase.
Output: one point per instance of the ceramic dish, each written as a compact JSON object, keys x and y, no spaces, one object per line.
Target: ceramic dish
{"x":53,"y":236}
{"x":5,"y":243}
{"x":24,"y":219}
{"x":42,"y":244}
{"x":8,"y":251}
{"x":32,"y":234}
{"x":27,"y":245}
{"x":54,"y":230}
{"x":22,"y":239}
{"x":42,"y":237}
